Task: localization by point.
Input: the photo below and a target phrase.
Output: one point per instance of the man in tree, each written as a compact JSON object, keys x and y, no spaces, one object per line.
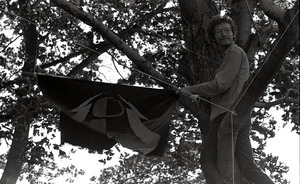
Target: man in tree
{"x":224,"y":90}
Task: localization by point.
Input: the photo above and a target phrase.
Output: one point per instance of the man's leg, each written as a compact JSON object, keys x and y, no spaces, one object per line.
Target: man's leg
{"x":244,"y":155}
{"x":209,"y":154}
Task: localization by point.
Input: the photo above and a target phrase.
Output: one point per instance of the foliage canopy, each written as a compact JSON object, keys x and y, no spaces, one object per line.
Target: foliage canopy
{"x":65,"y":46}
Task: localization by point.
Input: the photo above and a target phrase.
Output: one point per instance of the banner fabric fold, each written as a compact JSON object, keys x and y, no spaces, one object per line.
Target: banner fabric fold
{"x":97,"y":115}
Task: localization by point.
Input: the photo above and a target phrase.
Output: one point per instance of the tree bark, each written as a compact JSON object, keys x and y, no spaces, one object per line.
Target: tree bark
{"x":200,"y":60}
{"x":23,"y":117}
{"x":242,"y":15}
{"x":16,"y":155}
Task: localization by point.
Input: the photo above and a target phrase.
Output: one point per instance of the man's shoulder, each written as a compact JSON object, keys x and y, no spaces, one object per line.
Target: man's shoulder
{"x":237,"y":48}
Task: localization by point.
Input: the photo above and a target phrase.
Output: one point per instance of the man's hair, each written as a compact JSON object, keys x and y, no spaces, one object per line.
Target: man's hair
{"x":217,"y":20}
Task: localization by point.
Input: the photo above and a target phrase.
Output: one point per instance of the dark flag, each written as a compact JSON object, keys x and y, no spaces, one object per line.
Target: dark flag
{"x":97,"y":115}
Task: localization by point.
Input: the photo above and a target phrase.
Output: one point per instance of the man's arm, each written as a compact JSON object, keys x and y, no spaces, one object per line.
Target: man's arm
{"x":223,"y":79}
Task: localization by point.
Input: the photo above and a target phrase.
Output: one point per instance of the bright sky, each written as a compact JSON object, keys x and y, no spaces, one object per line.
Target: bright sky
{"x":286,"y":145}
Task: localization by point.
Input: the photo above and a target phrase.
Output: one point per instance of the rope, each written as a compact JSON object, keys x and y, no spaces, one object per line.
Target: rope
{"x":248,"y":86}
{"x":193,"y":97}
{"x":259,"y":69}
{"x":254,"y":25}
{"x":200,"y":55}
{"x":232,"y":149}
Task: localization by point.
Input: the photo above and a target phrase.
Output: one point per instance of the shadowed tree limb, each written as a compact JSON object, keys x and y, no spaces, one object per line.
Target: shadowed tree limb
{"x":105,"y":45}
{"x":22,"y":120}
{"x":285,"y":99}
{"x":62,"y":60}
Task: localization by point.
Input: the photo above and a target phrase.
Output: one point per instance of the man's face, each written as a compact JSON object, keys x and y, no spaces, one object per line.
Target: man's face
{"x":224,"y":35}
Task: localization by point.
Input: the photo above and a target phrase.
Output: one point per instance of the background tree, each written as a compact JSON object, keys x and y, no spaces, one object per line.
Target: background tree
{"x":67,"y":38}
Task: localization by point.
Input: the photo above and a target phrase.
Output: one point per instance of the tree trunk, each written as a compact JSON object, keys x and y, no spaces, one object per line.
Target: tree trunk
{"x":16,"y":155}
{"x":241,"y":12}
{"x":200,"y":60}
{"x":23,"y":116}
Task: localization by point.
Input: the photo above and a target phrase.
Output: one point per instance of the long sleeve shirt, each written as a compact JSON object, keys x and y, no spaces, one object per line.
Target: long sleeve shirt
{"x":227,"y":83}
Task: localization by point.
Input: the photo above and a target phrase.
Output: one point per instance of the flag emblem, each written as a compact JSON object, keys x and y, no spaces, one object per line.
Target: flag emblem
{"x":97,"y":115}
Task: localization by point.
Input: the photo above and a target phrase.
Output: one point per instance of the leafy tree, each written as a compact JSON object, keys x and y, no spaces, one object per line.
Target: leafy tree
{"x":166,"y":40}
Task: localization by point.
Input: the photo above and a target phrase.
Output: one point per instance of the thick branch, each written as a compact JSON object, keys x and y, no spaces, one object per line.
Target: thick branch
{"x":268,"y":105}
{"x":285,"y":99}
{"x":62,"y":60}
{"x":271,"y":10}
{"x":92,"y":56}
{"x":255,"y":44}
{"x":242,"y":14}
{"x":273,"y":62}
{"x":113,"y":40}
{"x":10,"y":43}
{"x":197,"y":111}
{"x":109,"y":35}
{"x":31,"y":42}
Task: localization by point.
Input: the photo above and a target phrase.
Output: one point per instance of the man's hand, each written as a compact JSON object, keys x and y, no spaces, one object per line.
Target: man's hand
{"x":195,"y":98}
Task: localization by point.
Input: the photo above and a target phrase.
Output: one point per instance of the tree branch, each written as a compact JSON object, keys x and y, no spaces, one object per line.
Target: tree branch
{"x":105,"y":45}
{"x":10,"y":43}
{"x":114,"y":60}
{"x":183,"y":159}
{"x":255,"y":44}
{"x":272,"y":63}
{"x":268,"y":105}
{"x":285,"y":99}
{"x":62,"y":60}
{"x":273,"y":11}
